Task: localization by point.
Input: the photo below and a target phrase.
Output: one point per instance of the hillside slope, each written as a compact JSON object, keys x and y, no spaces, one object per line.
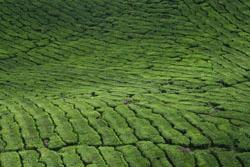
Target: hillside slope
{"x":124,"y":83}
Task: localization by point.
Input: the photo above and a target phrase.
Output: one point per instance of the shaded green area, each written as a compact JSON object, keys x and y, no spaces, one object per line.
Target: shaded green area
{"x":124,"y":83}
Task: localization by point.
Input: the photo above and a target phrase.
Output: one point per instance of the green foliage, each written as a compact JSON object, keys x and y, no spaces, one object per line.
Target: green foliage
{"x":10,"y":159}
{"x":124,"y":83}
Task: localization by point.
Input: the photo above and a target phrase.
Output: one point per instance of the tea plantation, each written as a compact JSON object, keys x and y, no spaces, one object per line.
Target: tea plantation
{"x":124,"y":83}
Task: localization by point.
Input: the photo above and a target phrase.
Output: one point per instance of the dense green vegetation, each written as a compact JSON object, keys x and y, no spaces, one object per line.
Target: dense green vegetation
{"x":118,"y":83}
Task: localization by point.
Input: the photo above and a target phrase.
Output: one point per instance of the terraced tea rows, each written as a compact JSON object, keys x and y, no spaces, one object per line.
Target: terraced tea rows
{"x":124,"y":83}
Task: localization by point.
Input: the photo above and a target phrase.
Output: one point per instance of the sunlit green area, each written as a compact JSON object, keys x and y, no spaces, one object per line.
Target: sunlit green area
{"x":116,"y":83}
